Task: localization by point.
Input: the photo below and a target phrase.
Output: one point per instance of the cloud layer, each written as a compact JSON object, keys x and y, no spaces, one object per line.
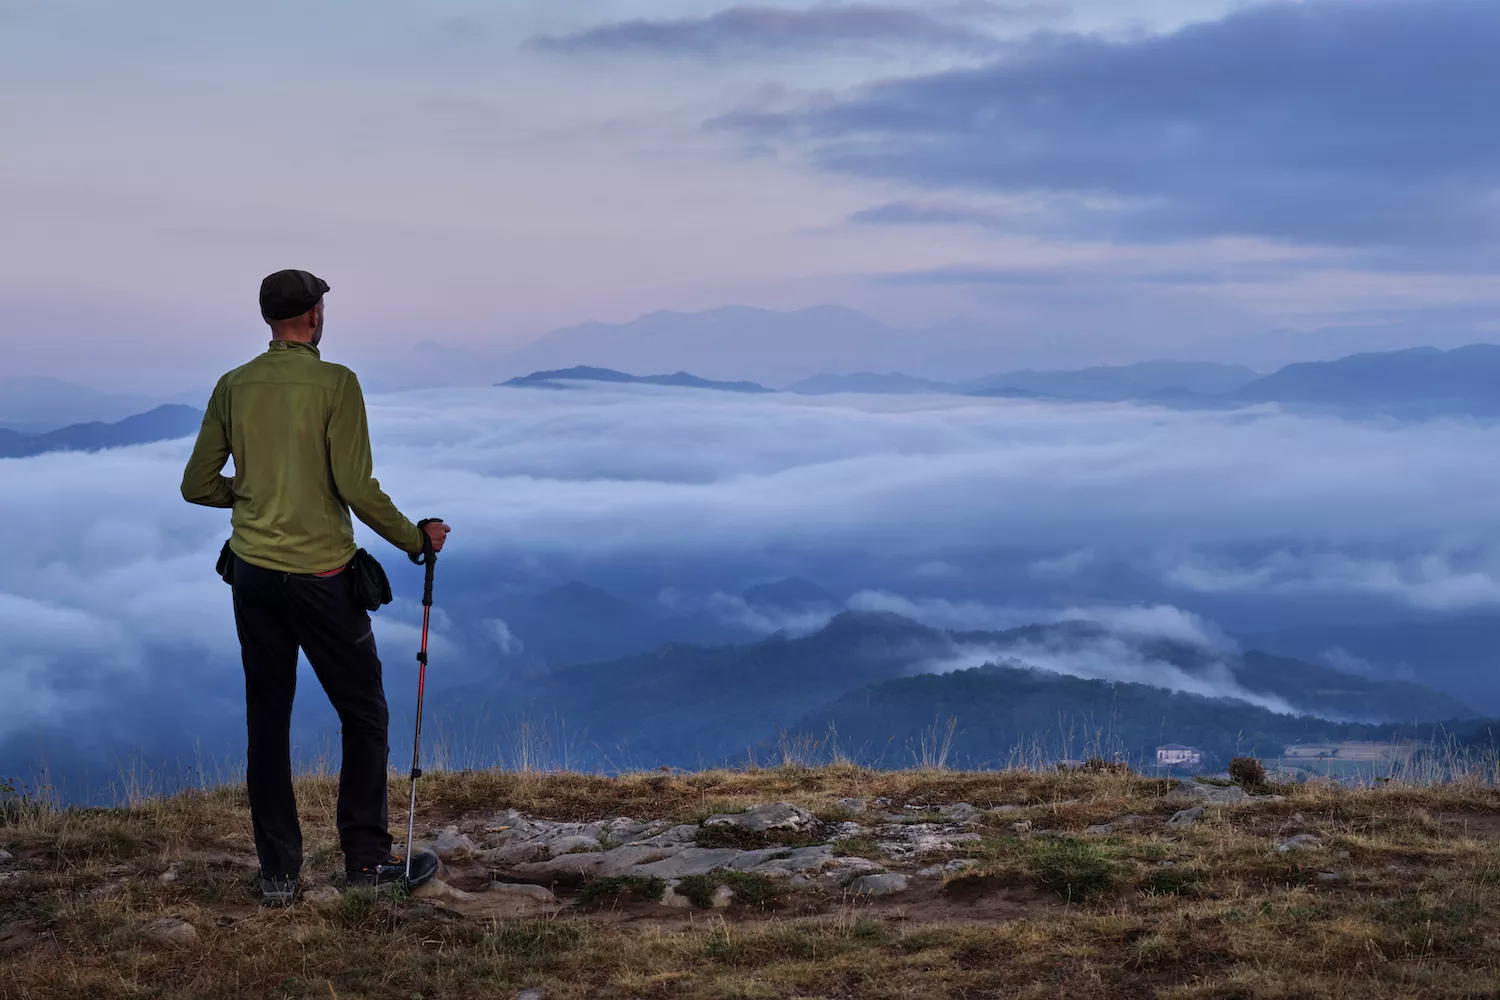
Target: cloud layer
{"x":927,"y":505}
{"x":751,"y":29}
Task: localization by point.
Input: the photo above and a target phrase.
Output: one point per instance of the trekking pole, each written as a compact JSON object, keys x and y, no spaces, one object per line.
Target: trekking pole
{"x":427,"y":559}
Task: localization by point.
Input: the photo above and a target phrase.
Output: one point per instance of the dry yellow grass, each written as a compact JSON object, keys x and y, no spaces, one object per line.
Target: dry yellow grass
{"x":1211,"y":911}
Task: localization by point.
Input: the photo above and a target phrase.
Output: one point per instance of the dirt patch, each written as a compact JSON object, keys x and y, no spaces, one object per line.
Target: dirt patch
{"x":981,"y":899}
{"x":1481,"y":826}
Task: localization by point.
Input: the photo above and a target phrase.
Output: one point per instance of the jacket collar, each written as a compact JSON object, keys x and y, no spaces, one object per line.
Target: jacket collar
{"x":294,"y":345}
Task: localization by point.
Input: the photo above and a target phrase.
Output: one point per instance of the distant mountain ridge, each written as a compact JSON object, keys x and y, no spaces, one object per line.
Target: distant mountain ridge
{"x":1413,"y":383}
{"x":1421,"y":381}
{"x":1468,"y":377}
{"x":161,"y":424}
{"x":586,"y":373}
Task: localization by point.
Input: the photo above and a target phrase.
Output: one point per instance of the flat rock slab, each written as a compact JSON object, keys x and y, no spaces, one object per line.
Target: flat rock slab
{"x":448,"y":844}
{"x":778,"y":816}
{"x":671,"y":862}
{"x":1185,"y":818}
{"x":876,"y":886}
{"x":501,"y":900}
{"x":438,"y":891}
{"x":839,"y":873}
{"x":505,"y":900}
{"x":960,"y":812}
{"x":1197,"y":791}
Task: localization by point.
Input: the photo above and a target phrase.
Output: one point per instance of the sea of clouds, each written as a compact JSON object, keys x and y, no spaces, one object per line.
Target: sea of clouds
{"x":107,"y":588}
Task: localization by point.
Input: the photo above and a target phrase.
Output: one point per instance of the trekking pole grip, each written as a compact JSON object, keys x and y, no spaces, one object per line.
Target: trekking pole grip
{"x":427,"y":558}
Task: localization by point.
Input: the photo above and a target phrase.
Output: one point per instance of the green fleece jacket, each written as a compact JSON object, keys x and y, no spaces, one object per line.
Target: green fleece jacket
{"x":295,"y":426}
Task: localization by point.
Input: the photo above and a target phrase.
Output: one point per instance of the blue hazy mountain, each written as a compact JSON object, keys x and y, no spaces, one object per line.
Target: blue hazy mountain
{"x":161,"y":424}
{"x":686,"y":704}
{"x":585,"y":373}
{"x":1465,"y":379}
{"x":791,"y":594}
{"x":1147,"y":380}
{"x":580,"y":623}
{"x":689,"y":705}
{"x":1458,"y":655}
{"x":891,"y":383}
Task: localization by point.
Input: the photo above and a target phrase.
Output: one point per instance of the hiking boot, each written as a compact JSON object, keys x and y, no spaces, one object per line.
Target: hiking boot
{"x":392,"y":871}
{"x":278,"y":890}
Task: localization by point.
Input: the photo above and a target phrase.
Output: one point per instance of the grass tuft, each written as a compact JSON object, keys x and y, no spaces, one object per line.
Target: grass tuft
{"x":622,"y":888}
{"x":1074,"y":869}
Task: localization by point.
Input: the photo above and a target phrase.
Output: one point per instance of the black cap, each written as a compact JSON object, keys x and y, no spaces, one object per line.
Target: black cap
{"x":287,"y":294}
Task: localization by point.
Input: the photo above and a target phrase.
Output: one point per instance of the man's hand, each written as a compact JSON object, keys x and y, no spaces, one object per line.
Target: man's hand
{"x":437,"y":534}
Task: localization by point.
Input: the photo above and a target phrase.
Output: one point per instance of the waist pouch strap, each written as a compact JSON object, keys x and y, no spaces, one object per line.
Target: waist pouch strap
{"x":225,"y":566}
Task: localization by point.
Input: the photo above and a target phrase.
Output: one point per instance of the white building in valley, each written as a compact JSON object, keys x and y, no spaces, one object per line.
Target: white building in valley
{"x":1175,"y":754}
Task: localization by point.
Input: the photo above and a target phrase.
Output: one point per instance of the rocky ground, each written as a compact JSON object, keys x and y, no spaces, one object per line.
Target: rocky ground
{"x":796,"y":883}
{"x":512,"y":864}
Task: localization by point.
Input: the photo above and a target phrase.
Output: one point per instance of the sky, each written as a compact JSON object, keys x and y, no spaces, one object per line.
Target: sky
{"x":478,"y":173}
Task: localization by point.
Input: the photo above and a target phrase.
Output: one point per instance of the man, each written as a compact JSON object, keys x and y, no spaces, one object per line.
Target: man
{"x":295,"y":426}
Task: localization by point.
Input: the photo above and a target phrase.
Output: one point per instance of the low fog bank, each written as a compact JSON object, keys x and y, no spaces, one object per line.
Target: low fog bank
{"x":961,"y":513}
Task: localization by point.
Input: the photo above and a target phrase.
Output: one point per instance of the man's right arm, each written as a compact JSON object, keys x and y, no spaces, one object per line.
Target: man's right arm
{"x":202,"y":480}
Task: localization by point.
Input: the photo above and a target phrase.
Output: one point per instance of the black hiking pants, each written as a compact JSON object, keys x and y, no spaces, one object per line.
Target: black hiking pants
{"x":276,"y":614}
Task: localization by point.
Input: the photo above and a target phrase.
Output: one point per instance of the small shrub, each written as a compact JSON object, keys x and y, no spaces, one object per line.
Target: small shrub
{"x":749,"y":888}
{"x":698,"y":889}
{"x":640,"y":888}
{"x":1247,"y":772}
{"x":753,"y":889}
{"x":1074,"y":869}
